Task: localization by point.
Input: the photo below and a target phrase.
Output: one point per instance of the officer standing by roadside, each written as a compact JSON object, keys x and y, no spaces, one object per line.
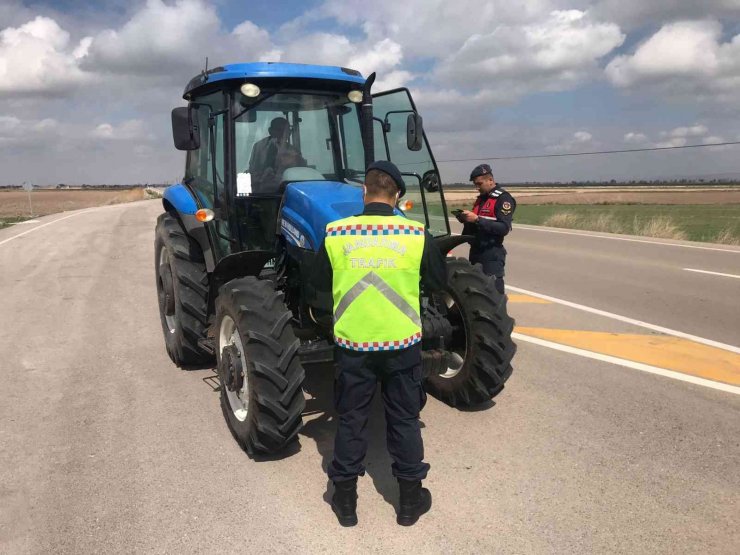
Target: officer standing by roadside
{"x":489,"y":221}
{"x":375,"y":262}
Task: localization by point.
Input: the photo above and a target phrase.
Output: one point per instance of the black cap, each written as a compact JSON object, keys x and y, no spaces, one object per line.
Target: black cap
{"x":390,"y":169}
{"x":483,"y":169}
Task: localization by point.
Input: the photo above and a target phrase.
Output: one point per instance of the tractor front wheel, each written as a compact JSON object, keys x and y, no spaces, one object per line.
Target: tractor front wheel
{"x":259,"y":369}
{"x":182,"y":291}
{"x":479,"y":347}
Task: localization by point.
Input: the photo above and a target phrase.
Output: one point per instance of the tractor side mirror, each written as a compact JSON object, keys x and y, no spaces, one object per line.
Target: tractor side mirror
{"x":414,"y":132}
{"x":185,"y":128}
{"x":430,"y":181}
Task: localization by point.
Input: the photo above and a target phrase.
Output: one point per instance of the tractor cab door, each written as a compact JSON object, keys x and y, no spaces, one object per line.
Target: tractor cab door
{"x":392,"y":111}
{"x":205,"y":168}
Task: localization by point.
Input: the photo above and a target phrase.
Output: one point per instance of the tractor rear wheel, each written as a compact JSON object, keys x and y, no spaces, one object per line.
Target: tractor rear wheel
{"x":182,"y":290}
{"x":480,"y":348}
{"x":259,"y":368}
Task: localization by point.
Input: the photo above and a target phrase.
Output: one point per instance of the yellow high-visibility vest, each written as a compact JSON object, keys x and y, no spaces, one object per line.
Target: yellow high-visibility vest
{"x":376,"y":261}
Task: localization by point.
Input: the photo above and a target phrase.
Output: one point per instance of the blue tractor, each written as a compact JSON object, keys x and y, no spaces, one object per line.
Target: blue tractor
{"x":275,"y":151}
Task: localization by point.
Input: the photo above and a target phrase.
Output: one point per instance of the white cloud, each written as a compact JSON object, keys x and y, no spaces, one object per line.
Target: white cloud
{"x":156,"y":38}
{"x":672,"y":142}
{"x":683,"y":59}
{"x":579,"y":140}
{"x":635,"y":138}
{"x":676,"y":137}
{"x":162,"y":39}
{"x":253,"y":39}
{"x":682,"y":132}
{"x":15,"y":131}
{"x":432,"y":28}
{"x":45,"y":125}
{"x":37,"y":58}
{"x":130,"y":130}
{"x":687,"y":48}
{"x":449,"y":110}
{"x":637,"y":13}
{"x":552,"y":54}
{"x":8,"y":125}
{"x":382,"y":57}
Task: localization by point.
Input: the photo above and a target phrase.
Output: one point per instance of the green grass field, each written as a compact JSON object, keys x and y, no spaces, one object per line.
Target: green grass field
{"x":6,"y":222}
{"x":708,"y":223}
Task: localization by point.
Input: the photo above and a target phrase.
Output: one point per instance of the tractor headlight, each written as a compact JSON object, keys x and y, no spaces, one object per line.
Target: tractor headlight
{"x":250,"y":89}
{"x":355,"y":96}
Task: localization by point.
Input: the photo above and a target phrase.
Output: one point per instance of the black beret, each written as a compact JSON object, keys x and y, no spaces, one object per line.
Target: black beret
{"x":483,"y":169}
{"x":390,"y":169}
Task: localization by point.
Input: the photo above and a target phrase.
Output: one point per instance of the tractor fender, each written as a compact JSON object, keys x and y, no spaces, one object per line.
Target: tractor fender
{"x":448,"y":242}
{"x":179,"y":201}
{"x":239,"y":265}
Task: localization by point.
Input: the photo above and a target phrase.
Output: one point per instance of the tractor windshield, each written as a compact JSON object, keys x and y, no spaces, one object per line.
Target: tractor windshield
{"x":311,"y":135}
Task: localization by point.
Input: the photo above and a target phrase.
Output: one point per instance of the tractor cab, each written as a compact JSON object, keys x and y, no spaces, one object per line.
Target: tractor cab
{"x":253,"y":130}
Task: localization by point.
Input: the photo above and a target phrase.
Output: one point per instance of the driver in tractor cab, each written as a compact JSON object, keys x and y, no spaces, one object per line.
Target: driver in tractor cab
{"x":271,"y":156}
{"x":374,"y":263}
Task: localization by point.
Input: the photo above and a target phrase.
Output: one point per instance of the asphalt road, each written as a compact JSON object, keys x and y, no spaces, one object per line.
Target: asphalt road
{"x":107,"y":447}
{"x":645,"y":279}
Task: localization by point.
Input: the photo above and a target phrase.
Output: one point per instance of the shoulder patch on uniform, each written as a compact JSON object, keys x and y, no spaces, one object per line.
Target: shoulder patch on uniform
{"x":506,"y":207}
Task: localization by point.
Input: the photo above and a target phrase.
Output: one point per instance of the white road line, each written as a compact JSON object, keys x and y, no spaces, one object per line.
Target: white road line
{"x":629,"y":364}
{"x":661,"y":329}
{"x":582,"y":234}
{"x":43,"y":225}
{"x":711,"y":273}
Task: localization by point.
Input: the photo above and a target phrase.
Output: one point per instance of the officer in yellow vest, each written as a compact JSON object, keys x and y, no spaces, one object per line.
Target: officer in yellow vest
{"x":375,"y":263}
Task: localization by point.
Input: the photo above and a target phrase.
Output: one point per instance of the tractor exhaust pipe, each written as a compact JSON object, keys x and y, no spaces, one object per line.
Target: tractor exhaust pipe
{"x":368,"y":141}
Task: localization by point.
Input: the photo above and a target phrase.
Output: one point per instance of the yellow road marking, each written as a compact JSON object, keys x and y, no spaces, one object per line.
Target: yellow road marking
{"x":519,"y":298}
{"x":670,"y":353}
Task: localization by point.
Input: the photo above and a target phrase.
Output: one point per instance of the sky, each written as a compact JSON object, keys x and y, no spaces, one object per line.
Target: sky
{"x":86,"y":88}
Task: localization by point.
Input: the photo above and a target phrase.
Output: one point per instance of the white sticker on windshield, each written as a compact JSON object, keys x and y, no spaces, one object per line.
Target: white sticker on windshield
{"x":243,"y":184}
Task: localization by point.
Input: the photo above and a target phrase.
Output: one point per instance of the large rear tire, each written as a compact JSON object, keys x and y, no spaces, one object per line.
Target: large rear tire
{"x":258,"y":366}
{"x":182,"y":291}
{"x":481,"y":348}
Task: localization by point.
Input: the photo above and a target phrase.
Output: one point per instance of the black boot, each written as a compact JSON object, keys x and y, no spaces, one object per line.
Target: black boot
{"x":415,"y":501}
{"x":344,"y":502}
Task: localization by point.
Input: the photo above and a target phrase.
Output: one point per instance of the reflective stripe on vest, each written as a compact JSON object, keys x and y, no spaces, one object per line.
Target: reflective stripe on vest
{"x":376,"y":262}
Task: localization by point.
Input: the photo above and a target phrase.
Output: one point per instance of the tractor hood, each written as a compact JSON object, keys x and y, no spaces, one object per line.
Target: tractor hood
{"x":310,"y":205}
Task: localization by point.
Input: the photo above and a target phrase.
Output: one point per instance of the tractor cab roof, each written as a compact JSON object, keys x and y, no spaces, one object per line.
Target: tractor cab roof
{"x":266,"y":70}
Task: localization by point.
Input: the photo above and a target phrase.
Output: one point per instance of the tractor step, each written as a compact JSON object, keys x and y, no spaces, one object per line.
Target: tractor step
{"x":208,"y":344}
{"x":315,"y":352}
{"x":312,"y":352}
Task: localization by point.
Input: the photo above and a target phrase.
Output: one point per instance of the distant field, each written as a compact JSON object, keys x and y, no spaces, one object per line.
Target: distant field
{"x":618,"y":196}
{"x":14,"y":204}
{"x":708,"y":223}
{"x":695,"y":215}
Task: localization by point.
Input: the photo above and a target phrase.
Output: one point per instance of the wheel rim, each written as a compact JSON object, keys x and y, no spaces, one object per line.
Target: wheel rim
{"x":456,"y":359}
{"x":169,"y":319}
{"x":238,"y":400}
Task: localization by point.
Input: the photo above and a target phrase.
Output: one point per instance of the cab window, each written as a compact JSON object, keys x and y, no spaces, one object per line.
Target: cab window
{"x":204,"y":170}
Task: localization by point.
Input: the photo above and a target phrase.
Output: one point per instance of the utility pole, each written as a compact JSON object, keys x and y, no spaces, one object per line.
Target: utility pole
{"x":29,"y":187}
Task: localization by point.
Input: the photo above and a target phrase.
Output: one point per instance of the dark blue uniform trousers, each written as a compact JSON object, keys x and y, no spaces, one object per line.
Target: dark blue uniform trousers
{"x":400,"y":376}
{"x":493,"y":261}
